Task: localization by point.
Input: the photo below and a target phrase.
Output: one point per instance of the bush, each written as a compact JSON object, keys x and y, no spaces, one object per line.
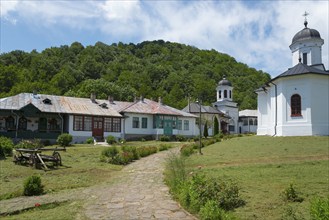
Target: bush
{"x":291,"y":194}
{"x":320,"y":209}
{"x":205,"y":130}
{"x":211,"y":211}
{"x":146,"y":151}
{"x":163,"y":147}
{"x":64,"y":139}
{"x":187,"y":150}
{"x":208,"y":142}
{"x":33,"y":186}
{"x":180,"y":138}
{"x":122,"y":141}
{"x":90,"y":140}
{"x":164,"y":138}
{"x":29,"y":144}
{"x":110,"y":139}
{"x":6,"y":147}
{"x":175,"y":175}
{"x":133,"y":150}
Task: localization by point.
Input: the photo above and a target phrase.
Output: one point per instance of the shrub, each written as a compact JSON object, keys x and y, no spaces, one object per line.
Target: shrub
{"x":146,"y":151}
{"x":180,"y":138}
{"x":205,"y":130}
{"x":320,"y":208}
{"x":291,"y":194}
{"x":291,"y":213}
{"x":208,"y":142}
{"x":164,"y":138}
{"x":175,"y":174}
{"x":64,"y":139}
{"x":29,"y":144}
{"x":163,"y":147}
{"x":187,"y":150}
{"x":6,"y":147}
{"x":122,"y":141}
{"x":133,"y":150}
{"x":211,"y":211}
{"x":110,"y":139}
{"x":33,"y":186}
{"x":216,"y":126}
{"x":90,"y":140}
{"x":125,"y":157}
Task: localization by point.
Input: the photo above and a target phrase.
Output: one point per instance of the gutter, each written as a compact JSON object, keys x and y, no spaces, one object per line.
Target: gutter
{"x":276,"y":108}
{"x":16,"y":130}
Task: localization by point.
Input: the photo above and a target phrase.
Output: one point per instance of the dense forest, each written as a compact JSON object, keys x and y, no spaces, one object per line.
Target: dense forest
{"x":171,"y":70}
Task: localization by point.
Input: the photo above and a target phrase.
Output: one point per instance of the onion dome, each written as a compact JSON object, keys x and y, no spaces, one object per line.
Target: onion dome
{"x":224,"y":82}
{"x":306,"y":34}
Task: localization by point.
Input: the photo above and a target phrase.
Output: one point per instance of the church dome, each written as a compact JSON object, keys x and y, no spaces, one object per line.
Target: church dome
{"x":224,"y":82}
{"x":305,"y":34}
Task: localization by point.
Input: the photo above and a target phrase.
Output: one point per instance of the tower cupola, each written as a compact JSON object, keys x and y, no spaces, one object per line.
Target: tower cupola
{"x":306,"y":46}
{"x":224,"y":90}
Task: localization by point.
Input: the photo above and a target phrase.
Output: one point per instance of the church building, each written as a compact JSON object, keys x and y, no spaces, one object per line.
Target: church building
{"x":295,"y":103}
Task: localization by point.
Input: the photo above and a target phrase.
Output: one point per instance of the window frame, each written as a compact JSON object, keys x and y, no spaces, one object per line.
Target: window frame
{"x":144,"y":123}
{"x":186,"y":125}
{"x":296,"y":105}
{"x":135,"y":122}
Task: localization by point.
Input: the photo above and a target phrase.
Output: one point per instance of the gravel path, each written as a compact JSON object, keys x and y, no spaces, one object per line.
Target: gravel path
{"x":138,"y":193}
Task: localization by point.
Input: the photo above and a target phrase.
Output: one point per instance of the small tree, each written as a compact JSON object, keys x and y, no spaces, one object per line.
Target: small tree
{"x":33,"y":186}
{"x":64,"y":139}
{"x":216,"y":126}
{"x":6,"y":147}
{"x":205,"y":130}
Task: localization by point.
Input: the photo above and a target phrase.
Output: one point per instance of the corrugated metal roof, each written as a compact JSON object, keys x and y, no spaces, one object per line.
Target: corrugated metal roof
{"x":147,"y":106}
{"x":59,"y":104}
{"x":195,"y":108}
{"x":248,"y":113}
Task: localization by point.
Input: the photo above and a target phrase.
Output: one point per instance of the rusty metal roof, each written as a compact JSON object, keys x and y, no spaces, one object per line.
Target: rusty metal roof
{"x":58,"y":104}
{"x":147,"y":106}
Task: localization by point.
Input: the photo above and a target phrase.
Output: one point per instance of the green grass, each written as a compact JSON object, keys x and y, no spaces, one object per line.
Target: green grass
{"x":264,"y":167}
{"x":81,"y":168}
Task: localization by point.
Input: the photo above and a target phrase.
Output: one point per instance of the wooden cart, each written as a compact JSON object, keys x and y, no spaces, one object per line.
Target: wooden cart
{"x":35,"y":158}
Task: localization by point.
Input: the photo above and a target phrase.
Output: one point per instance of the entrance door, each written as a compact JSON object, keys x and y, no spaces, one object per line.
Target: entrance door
{"x":223,"y":126}
{"x":167,"y":128}
{"x":98,"y":130}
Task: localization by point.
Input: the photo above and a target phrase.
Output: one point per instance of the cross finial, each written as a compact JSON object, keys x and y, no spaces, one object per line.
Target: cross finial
{"x":305,"y":15}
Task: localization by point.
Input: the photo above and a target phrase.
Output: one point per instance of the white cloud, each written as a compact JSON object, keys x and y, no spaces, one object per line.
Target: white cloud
{"x":256,"y":33}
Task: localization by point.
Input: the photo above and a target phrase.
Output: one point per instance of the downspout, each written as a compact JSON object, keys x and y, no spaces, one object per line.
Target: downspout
{"x":16,"y":130}
{"x":62,"y":131}
{"x":276,"y":108}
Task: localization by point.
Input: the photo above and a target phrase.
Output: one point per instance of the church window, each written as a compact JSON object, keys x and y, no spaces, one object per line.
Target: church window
{"x":230,"y":94}
{"x":220,"y":94}
{"x":225,"y":93}
{"x":245,"y":121}
{"x":10,"y":123}
{"x":305,"y":58}
{"x":256,"y":122}
{"x":296,"y":105}
{"x":251,"y":122}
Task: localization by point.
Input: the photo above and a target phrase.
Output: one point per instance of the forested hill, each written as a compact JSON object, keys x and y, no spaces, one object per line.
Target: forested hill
{"x":171,"y":70}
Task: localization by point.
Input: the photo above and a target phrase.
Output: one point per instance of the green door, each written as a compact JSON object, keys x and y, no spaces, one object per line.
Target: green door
{"x":167,"y":128}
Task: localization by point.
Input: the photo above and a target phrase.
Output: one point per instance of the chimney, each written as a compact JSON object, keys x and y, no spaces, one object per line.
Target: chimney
{"x":93,"y":97}
{"x":35,"y":92}
{"x":141,"y":98}
{"x":160,"y":100}
{"x":111,"y":100}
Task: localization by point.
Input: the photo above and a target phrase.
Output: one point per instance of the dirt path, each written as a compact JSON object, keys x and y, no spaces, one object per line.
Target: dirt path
{"x":138,"y":193}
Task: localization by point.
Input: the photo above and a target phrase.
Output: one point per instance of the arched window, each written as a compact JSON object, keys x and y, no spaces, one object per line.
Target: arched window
{"x":230,"y":94}
{"x":10,"y":123}
{"x":225,"y":93}
{"x":22,"y":123}
{"x":296,"y":105}
{"x":52,"y":124}
{"x":220,"y":94}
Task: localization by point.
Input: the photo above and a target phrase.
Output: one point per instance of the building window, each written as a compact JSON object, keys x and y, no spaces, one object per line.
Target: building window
{"x":231,"y":128}
{"x":135,"y":122}
{"x":144,"y":122}
{"x":256,"y":122}
{"x":87,"y":123}
{"x":108,"y":124}
{"x":245,"y":121}
{"x":179,"y":124}
{"x":112,"y":124}
{"x":116,"y":125}
{"x":53,"y":124}
{"x":296,"y":105}
{"x":251,"y":122}
{"x":42,"y":125}
{"x":10,"y":123}
{"x":220,"y":94}
{"x":230,"y":94}
{"x":186,"y":125}
{"x":225,"y":93}
{"x":305,"y":58}
{"x":22,"y":123}
{"x":78,"y":123}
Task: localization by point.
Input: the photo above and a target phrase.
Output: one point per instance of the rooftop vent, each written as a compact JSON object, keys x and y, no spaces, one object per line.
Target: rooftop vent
{"x":103,"y":105}
{"x":47,"y":101}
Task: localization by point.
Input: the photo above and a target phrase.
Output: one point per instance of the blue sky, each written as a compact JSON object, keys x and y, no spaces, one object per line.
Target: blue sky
{"x":257,"y":33}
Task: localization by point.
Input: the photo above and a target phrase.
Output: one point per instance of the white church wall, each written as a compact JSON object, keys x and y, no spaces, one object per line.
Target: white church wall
{"x":262,"y":113}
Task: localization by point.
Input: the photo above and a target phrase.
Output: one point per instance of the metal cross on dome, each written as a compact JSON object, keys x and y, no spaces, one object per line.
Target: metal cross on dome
{"x":305,"y":15}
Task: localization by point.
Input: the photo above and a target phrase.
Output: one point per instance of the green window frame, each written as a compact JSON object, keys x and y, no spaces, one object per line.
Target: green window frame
{"x":135,"y":122}
{"x":144,"y":122}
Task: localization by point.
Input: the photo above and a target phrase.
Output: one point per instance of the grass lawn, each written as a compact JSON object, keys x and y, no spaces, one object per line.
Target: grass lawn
{"x":264,"y":167}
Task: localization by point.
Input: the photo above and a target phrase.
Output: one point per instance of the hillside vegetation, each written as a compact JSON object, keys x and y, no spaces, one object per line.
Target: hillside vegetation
{"x":152,"y":69}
